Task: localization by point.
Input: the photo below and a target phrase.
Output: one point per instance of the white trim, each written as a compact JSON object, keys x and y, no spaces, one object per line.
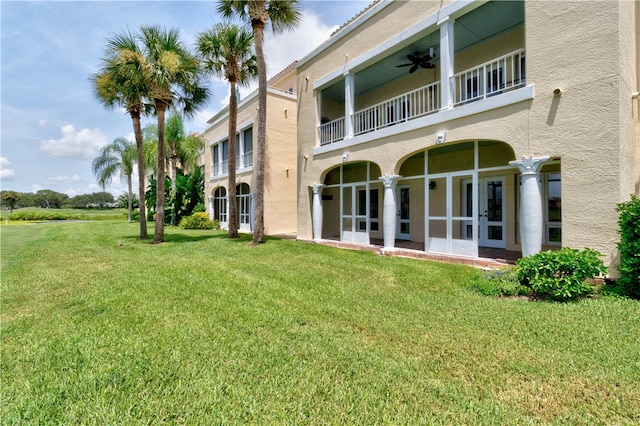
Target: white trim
{"x":472,"y":108}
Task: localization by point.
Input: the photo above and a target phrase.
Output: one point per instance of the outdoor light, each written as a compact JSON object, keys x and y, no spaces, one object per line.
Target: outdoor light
{"x":440,"y":137}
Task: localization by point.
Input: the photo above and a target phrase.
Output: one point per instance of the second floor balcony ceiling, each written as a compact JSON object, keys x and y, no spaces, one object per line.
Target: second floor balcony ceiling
{"x":472,"y":57}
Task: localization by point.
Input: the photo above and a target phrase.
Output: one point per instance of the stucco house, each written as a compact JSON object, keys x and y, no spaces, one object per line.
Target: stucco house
{"x":280,"y":159}
{"x":471,"y":129}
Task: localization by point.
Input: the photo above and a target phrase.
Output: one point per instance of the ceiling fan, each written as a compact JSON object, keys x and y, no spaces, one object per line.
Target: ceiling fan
{"x":419,"y":61}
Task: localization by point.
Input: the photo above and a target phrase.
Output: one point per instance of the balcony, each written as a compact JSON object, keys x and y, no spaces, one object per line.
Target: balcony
{"x":414,"y":104}
{"x":428,"y":73}
{"x":499,"y":75}
{"x":490,"y":78}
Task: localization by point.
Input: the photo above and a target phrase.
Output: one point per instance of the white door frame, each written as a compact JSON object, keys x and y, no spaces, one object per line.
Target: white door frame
{"x":403,"y":215}
{"x":354,"y":226}
{"x":485,"y":223}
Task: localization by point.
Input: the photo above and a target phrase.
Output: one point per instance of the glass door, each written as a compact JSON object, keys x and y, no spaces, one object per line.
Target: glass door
{"x":492,"y":217}
{"x":403,"y":225}
{"x":355,"y":219}
{"x":450,"y":220}
{"x":491,"y":223}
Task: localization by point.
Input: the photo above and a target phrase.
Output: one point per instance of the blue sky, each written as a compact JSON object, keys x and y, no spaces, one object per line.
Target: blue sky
{"x":51,"y":125}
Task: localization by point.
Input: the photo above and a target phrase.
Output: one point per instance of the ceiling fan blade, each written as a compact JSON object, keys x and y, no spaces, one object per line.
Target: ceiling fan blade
{"x":413,"y":58}
{"x":414,"y":68}
{"x":427,"y":65}
{"x":404,"y":65}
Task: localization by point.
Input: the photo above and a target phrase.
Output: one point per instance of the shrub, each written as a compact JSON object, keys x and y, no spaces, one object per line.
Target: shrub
{"x":629,"y":246}
{"x":40,"y":216}
{"x":561,"y":275}
{"x":198,"y":220}
{"x":500,"y":282}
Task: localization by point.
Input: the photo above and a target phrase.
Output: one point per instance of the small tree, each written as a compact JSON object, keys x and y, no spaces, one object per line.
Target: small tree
{"x":11,"y":199}
{"x":629,"y":246}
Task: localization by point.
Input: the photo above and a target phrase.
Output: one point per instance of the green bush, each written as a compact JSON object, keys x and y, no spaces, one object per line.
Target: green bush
{"x":198,"y":220}
{"x":629,"y":246}
{"x":561,"y":275}
{"x":40,"y":216}
{"x":500,"y":282}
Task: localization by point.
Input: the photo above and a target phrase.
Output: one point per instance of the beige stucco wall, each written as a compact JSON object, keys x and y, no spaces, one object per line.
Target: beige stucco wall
{"x":581,"y":47}
{"x":280,"y":198}
{"x":280,"y":152}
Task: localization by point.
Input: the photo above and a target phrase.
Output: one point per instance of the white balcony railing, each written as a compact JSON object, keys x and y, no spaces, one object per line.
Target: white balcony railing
{"x":491,"y":78}
{"x":332,"y":131}
{"x":419,"y":102}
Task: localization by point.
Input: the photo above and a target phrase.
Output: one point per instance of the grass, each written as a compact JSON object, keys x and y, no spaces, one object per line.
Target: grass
{"x":101,"y":328}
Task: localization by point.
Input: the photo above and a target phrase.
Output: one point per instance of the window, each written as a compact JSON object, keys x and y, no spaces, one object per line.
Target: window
{"x":220,"y":205}
{"x":215,"y":154}
{"x":224,"y":163}
{"x":247,"y":147}
{"x":553,"y":210}
{"x":220,"y":158}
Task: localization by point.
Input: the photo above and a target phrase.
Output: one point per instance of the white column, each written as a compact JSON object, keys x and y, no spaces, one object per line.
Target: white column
{"x":349,"y":100}
{"x":211,"y":207}
{"x":531,"y":226}
{"x":389,"y":211}
{"x":252,"y":212}
{"x":316,"y":211}
{"x":446,"y":63}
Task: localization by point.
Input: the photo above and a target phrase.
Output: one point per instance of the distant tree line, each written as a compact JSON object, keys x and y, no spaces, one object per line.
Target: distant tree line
{"x":48,"y":199}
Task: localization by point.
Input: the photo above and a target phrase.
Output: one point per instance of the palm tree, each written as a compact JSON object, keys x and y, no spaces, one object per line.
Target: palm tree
{"x":188,"y":148}
{"x":123,"y":82}
{"x":117,"y":157}
{"x":227,"y":50}
{"x":283,"y":14}
{"x":175,"y":81}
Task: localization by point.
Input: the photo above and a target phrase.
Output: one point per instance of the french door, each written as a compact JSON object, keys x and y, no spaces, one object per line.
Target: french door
{"x":491,"y":211}
{"x":403,"y":201}
{"x":354,"y":215}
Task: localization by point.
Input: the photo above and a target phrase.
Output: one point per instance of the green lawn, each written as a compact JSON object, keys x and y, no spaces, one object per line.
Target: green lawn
{"x":100,"y":328}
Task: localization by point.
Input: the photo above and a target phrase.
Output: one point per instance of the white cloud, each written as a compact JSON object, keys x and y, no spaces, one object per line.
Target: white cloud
{"x":71,"y":192}
{"x":6,"y":173}
{"x":84,"y":144}
{"x":282,"y":49}
{"x":63,"y":180}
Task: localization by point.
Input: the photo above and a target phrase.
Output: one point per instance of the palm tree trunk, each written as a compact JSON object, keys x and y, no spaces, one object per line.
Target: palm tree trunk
{"x":130,"y":196}
{"x":174,"y":173}
{"x":137,"y":131}
{"x":158,"y":236}
{"x":258,"y":33}
{"x":231,"y":193}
